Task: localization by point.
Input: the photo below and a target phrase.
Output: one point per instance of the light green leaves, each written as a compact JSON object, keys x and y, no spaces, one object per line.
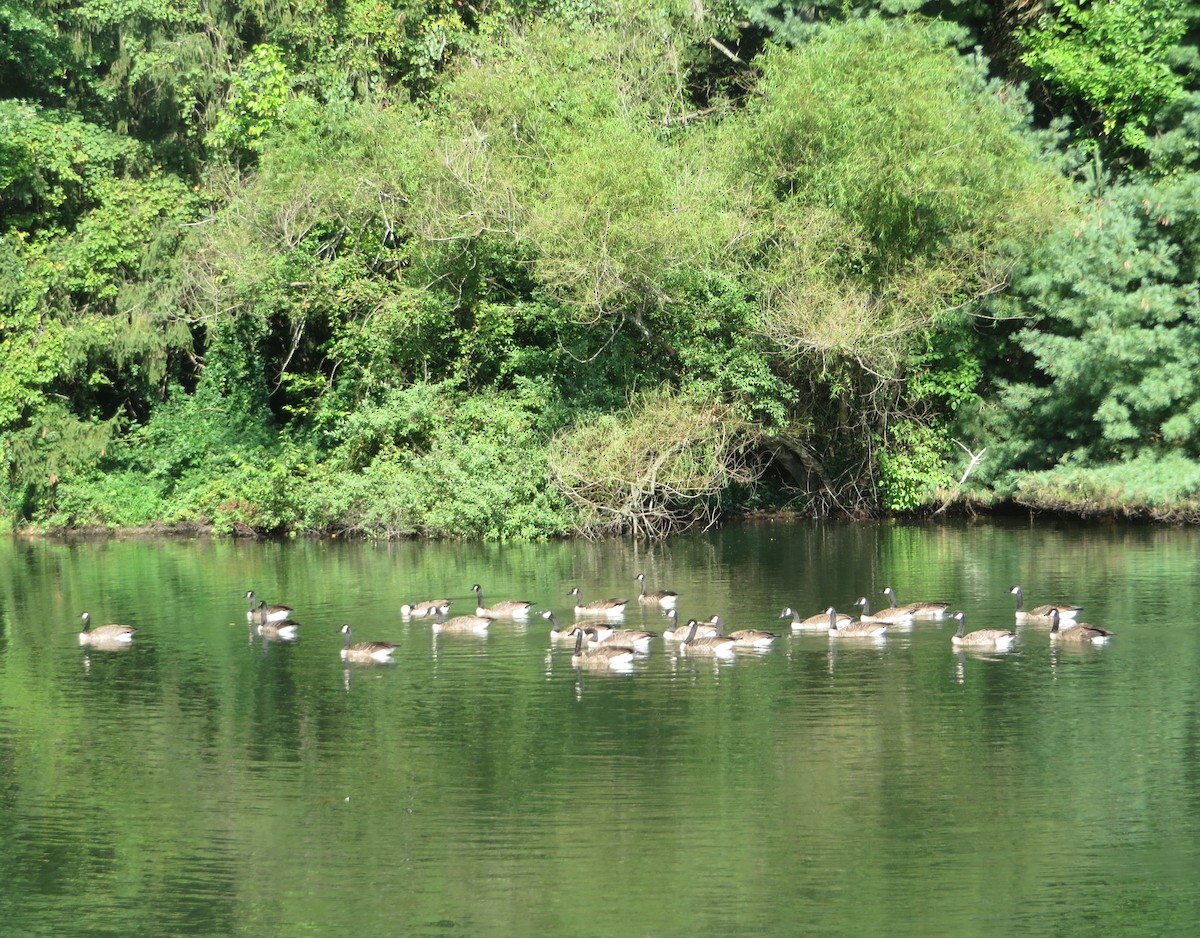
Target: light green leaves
{"x":1112,"y":54}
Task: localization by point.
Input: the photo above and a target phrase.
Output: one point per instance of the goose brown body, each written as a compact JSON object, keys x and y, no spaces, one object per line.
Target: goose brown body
{"x":364,"y":652}
{"x":556,"y":629}
{"x":426,"y":608}
{"x":637,"y":639}
{"x":720,"y":645}
{"x":505,"y":609}
{"x":926,"y":609}
{"x":111,"y":634}
{"x":818,"y":622}
{"x":274,"y":612}
{"x":1043,"y":612}
{"x":280,"y":628}
{"x":753,"y":638}
{"x":888,"y":616}
{"x":677,"y":634}
{"x":611,"y":608}
{"x":1080,"y":632}
{"x":603,"y":655}
{"x":980,"y":638}
{"x":464,"y":625}
{"x":856,"y":628}
{"x":664,"y":598}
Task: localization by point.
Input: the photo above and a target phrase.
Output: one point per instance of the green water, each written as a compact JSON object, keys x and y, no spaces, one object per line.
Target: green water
{"x":205,"y":782}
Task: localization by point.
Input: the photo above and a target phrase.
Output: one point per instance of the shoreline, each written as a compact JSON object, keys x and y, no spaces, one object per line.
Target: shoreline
{"x":960,"y":509}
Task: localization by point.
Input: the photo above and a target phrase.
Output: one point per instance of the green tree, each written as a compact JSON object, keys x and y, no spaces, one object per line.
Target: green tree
{"x":1114,"y":58}
{"x":1112,"y":335}
{"x":898,"y":183}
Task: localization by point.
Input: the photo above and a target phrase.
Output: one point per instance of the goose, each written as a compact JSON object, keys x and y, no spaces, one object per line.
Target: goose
{"x":720,"y":646}
{"x":1000,"y":639}
{"x":814,"y":623}
{"x":1080,"y":632}
{"x":426,"y":608}
{"x":603,"y":655}
{"x":505,"y":609}
{"x":105,"y":634}
{"x":664,"y":598}
{"x":274,"y":612}
{"x":753,"y":638}
{"x":366,"y":651}
{"x":929,"y":609}
{"x":462,"y":625}
{"x":856,"y":628}
{"x":750,"y":638}
{"x":677,"y":634}
{"x":637,"y":639}
{"x":612,"y":608}
{"x":1065,"y":610}
{"x":889,"y":616}
{"x":556,"y":630}
{"x":284,"y":629}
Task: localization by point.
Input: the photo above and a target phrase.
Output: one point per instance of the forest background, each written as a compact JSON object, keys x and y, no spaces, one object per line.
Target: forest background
{"x":510,"y":269}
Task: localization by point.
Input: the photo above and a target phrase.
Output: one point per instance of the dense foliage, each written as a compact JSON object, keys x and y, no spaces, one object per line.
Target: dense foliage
{"x":515,"y":269}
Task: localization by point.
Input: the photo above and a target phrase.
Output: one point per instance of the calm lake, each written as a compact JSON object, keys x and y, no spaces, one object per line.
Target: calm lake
{"x":207,"y":782}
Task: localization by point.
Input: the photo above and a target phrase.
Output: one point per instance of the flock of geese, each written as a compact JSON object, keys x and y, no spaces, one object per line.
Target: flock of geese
{"x":599,"y":641}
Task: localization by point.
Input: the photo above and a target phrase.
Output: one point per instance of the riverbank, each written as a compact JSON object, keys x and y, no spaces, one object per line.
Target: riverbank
{"x":1048,"y":504}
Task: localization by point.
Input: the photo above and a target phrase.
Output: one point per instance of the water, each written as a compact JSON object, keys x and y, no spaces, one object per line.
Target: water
{"x":204,"y":782}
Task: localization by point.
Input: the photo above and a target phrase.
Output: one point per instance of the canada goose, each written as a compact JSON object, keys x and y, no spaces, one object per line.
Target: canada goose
{"x":999,"y":639}
{"x":753,"y":638}
{"x":887,"y":616}
{"x":856,"y":628}
{"x":464,"y":625}
{"x":1065,"y":610}
{"x":929,"y":609}
{"x":637,"y":639}
{"x":814,"y":623}
{"x":425,"y":608}
{"x":556,"y":630}
{"x":505,"y":609}
{"x":603,"y":655}
{"x":284,"y":629}
{"x":274,"y":612}
{"x":612,"y":608}
{"x":664,"y":598}
{"x":105,"y":634}
{"x":745,"y":637}
{"x":366,"y":651}
{"x":677,"y":634}
{"x":720,"y":645}
{"x":1080,"y":632}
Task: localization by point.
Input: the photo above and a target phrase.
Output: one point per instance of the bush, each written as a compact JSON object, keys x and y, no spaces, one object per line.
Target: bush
{"x":1161,"y":488}
{"x":660,"y":467}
